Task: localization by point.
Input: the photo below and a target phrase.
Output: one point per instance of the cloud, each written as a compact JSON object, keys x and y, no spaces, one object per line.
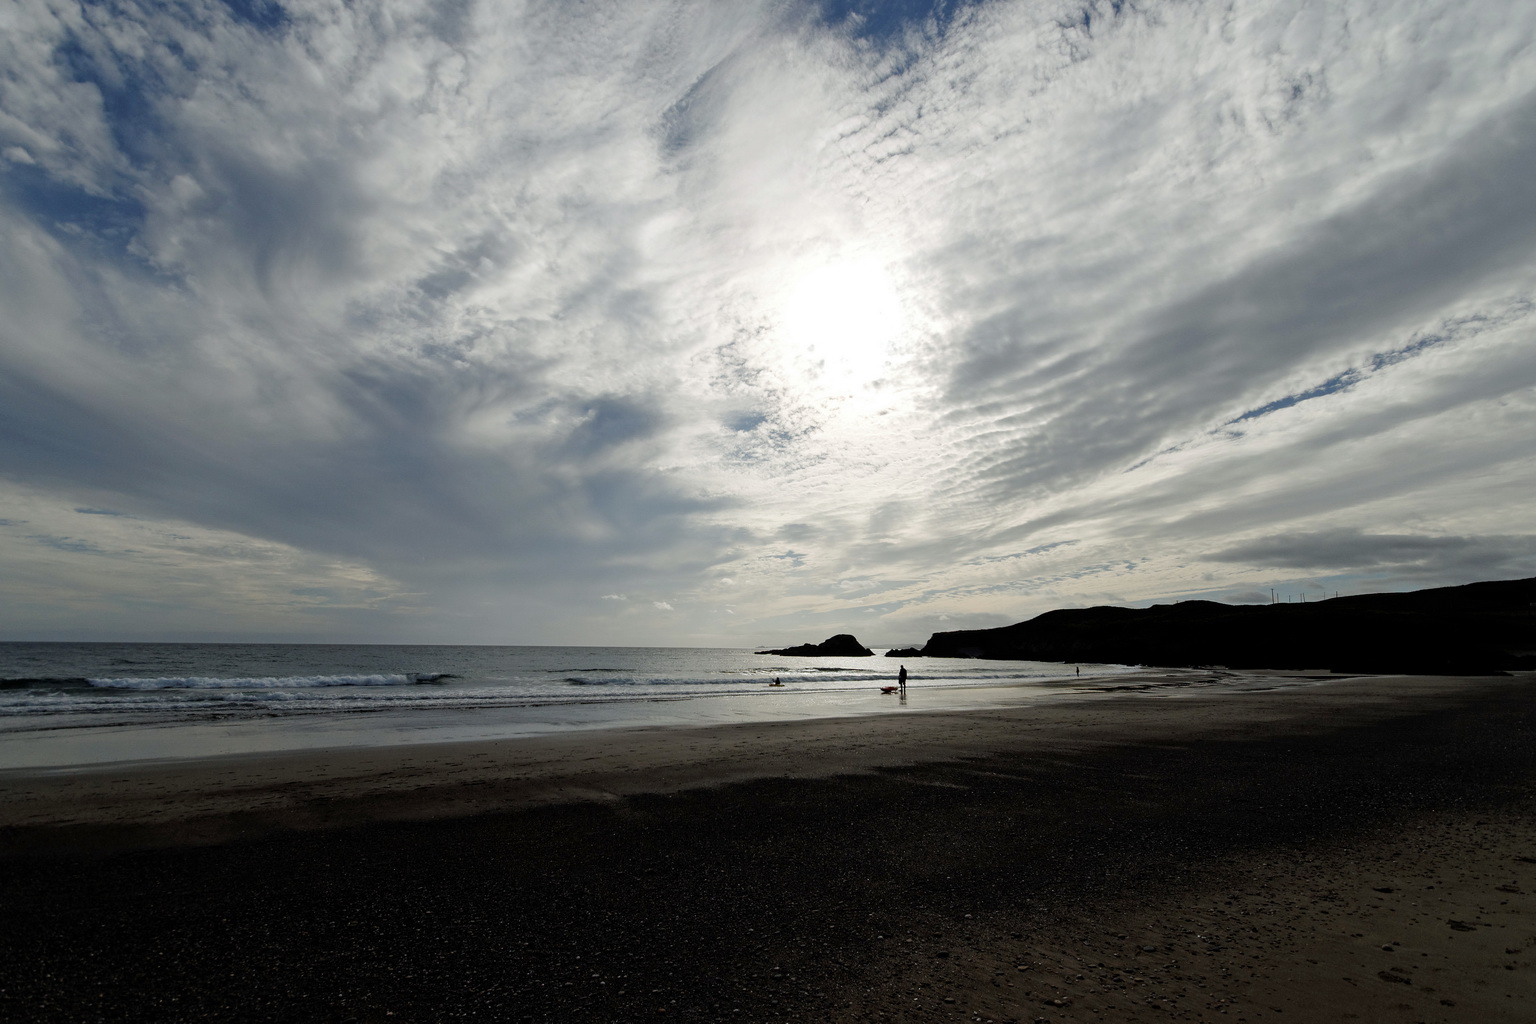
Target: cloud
{"x":1351,"y":549}
{"x":931,"y":308}
{"x":120,"y":577}
{"x":71,"y":544}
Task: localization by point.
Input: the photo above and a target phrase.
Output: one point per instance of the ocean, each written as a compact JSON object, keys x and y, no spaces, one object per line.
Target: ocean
{"x":68,"y":705}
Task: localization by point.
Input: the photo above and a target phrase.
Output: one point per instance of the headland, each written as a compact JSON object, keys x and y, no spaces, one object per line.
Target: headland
{"x":1477,"y":628}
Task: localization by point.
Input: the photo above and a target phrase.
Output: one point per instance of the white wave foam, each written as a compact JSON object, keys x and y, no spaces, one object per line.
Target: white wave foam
{"x":259,"y":683}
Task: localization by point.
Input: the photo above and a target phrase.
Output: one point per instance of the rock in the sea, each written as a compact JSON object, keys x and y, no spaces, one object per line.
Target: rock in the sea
{"x":844,"y":645}
{"x":904,"y":652}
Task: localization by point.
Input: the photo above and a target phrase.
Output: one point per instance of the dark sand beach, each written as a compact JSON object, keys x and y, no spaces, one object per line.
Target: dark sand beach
{"x":1364,"y":849}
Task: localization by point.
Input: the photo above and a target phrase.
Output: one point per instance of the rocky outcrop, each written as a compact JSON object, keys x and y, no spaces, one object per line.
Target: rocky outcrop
{"x":1479,"y":628}
{"x":904,"y":652}
{"x":844,"y":645}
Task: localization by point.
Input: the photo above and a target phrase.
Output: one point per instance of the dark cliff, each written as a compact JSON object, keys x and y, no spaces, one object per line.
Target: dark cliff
{"x":1476,"y":628}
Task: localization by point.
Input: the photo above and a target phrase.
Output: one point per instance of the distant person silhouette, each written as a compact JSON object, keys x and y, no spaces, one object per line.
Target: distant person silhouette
{"x":901,"y":679}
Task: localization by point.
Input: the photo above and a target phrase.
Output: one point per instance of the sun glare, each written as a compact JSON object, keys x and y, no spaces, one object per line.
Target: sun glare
{"x":844,"y":317}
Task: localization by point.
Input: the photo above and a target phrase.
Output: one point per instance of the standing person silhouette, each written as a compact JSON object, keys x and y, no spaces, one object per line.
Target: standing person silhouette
{"x":901,"y":679}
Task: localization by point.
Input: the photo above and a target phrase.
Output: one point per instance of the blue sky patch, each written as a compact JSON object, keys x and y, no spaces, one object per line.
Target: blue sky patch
{"x":69,"y":211}
{"x":1332,"y":386}
{"x":1346,"y":379}
{"x":881,"y":21}
{"x":128,"y":91}
{"x":747,"y":421}
{"x":266,"y":15}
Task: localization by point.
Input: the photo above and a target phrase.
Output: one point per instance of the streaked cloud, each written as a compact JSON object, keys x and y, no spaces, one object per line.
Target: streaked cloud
{"x":534,"y":323}
{"x":1350,"y":549}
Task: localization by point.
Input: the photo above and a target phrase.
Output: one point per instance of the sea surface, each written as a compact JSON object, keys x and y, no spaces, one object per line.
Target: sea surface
{"x":65,"y":705}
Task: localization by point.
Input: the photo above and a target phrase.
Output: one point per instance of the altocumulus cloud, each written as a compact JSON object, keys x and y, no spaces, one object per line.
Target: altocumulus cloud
{"x":458,"y":321}
{"x":1351,"y":549}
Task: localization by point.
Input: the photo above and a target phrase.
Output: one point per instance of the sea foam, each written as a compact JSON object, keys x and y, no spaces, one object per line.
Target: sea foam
{"x":264,"y":682}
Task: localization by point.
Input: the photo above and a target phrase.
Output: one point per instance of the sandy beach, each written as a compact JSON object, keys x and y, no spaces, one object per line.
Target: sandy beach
{"x":1360,"y":849}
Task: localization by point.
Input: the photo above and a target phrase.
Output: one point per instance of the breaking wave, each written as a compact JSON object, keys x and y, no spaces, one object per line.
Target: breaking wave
{"x":220,"y":683}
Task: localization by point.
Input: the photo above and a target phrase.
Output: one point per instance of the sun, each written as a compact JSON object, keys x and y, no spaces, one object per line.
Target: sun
{"x":843,"y":317}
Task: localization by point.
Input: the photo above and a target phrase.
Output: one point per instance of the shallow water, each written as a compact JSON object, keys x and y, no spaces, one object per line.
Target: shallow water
{"x":65,"y":705}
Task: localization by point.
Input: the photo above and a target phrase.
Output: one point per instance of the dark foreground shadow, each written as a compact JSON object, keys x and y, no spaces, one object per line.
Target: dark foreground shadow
{"x":746,"y":903}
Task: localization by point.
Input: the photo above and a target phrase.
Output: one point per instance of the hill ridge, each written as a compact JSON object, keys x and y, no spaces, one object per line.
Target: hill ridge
{"x":1475,"y":628}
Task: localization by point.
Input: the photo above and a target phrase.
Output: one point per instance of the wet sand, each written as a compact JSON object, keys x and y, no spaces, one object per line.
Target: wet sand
{"x":1200,"y":857}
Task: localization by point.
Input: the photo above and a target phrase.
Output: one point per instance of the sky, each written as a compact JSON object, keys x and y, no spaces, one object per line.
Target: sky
{"x":735,"y":324}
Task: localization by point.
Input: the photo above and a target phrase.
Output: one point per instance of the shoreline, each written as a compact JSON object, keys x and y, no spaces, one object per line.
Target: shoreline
{"x":1364,"y":849}
{"x":222,"y":797}
{"x":214,"y":799}
{"x":37,"y":743}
